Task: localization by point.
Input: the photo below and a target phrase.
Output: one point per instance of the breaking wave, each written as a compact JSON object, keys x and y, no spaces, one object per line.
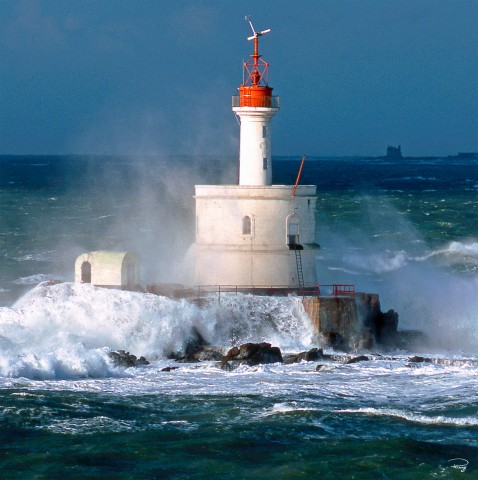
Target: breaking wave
{"x":378,"y":262}
{"x":413,"y":417}
{"x":388,"y":261}
{"x":457,"y":252}
{"x":33,"y":279}
{"x":67,"y":330}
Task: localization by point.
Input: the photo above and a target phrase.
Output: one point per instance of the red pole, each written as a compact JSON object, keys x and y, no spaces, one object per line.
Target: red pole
{"x":298,"y":176}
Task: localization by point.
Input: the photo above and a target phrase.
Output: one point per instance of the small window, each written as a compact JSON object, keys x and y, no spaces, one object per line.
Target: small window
{"x":264,"y":163}
{"x":246,"y":225}
{"x":264,"y":131}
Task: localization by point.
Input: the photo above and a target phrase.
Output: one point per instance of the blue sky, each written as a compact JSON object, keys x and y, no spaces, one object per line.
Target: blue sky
{"x":156,"y":76}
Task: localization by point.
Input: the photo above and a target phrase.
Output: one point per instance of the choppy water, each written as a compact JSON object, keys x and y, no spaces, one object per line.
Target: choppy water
{"x":404,"y":229}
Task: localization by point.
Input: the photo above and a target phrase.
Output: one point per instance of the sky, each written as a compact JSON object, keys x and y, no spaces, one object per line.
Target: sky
{"x":152,"y":77}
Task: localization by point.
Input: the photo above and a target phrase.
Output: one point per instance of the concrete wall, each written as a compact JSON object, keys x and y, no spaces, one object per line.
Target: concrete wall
{"x":333,"y":315}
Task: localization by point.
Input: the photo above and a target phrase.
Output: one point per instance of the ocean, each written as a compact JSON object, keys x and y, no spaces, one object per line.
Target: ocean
{"x":405,"y":229}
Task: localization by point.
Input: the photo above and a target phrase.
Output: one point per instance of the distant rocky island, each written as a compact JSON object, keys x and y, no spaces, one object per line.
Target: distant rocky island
{"x":465,"y":156}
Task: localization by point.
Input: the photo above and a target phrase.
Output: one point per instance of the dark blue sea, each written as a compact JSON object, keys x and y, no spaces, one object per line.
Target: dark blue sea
{"x":406,"y":229}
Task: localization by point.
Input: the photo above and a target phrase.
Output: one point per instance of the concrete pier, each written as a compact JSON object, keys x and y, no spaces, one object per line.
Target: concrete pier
{"x":349,"y":321}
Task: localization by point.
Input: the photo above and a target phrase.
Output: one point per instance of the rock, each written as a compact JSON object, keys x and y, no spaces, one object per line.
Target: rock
{"x":319,"y":367}
{"x":188,"y":359}
{"x":233,"y":352}
{"x":126,"y":359}
{"x":205,"y":354}
{"x":417,"y":359}
{"x":196,"y":342}
{"x":209,"y":354}
{"x":310,"y":356}
{"x":195,"y":345}
{"x":251,"y":354}
{"x":360,"y":358}
{"x":289,"y":359}
{"x":168,"y":369}
{"x":382,"y":326}
{"x":143,"y":361}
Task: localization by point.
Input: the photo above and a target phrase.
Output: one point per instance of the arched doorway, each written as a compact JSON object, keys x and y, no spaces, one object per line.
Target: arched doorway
{"x":292,"y":230}
{"x":86,"y":272}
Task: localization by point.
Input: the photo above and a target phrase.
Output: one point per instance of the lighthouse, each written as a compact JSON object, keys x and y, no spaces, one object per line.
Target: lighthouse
{"x":255,"y":106}
{"x":255,"y":234}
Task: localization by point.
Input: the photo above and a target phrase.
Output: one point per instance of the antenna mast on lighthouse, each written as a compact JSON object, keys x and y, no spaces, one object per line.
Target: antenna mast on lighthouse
{"x":256,"y":69}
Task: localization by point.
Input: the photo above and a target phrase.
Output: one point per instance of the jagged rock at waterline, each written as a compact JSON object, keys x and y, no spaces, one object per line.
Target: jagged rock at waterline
{"x":204,"y":354}
{"x":309,"y":356}
{"x":197,"y":349}
{"x":360,"y":358}
{"x":169,"y":369}
{"x":251,"y":354}
{"x":418,"y":359}
{"x":126,"y":359}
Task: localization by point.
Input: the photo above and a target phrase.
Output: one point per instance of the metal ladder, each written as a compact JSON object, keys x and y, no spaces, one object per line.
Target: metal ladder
{"x":300,"y":273}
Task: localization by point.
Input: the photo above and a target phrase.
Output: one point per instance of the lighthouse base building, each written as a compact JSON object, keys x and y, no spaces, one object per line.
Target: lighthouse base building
{"x":250,"y":235}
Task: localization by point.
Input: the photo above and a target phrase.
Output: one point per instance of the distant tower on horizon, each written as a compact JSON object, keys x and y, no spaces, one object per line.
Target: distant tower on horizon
{"x":394,"y":152}
{"x":255,"y":233}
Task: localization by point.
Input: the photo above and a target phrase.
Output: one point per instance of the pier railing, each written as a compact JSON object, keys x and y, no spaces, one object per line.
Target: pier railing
{"x":332,"y":290}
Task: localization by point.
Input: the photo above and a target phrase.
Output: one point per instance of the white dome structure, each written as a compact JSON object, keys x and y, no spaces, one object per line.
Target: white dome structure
{"x":108,"y":269}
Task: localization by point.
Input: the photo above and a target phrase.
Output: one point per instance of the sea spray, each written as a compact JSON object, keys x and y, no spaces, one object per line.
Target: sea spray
{"x":66,"y":330}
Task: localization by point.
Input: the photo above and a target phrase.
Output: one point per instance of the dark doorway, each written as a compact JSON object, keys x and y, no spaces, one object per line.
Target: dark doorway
{"x":86,"y":272}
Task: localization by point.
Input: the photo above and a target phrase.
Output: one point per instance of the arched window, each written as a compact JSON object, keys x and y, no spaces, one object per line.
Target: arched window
{"x":246,"y":225}
{"x":86,"y":272}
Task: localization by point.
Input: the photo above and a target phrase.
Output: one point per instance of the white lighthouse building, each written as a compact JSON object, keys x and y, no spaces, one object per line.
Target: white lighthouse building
{"x":256,"y":234}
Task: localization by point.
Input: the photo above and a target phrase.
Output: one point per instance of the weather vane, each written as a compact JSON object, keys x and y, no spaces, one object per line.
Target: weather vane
{"x":256,"y":34}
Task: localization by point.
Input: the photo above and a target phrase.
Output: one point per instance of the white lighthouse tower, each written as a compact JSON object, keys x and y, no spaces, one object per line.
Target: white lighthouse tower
{"x":255,"y":106}
{"x":256,"y":234}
